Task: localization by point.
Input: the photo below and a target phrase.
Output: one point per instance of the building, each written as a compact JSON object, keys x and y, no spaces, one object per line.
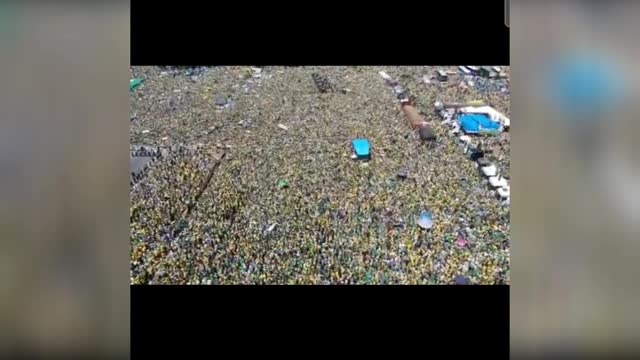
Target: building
{"x":474,"y":69}
{"x":485,"y":71}
{"x":464,"y":70}
{"x":442,"y":76}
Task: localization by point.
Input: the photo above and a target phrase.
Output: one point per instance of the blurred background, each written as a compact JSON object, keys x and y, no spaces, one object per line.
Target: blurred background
{"x":575,"y":169}
{"x":64,"y":248}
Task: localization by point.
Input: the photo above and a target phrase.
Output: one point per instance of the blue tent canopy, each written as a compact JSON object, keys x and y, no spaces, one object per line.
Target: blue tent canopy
{"x":362,"y":148}
{"x":476,"y":123}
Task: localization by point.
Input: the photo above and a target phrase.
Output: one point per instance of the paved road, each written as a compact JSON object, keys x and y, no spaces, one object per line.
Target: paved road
{"x":138,"y":163}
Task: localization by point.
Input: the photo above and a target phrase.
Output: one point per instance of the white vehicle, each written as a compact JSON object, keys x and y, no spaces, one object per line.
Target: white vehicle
{"x":505,"y":194}
{"x":498,"y":182}
{"x":464,"y":70}
{"x":474,"y":69}
{"x":490,"y":170}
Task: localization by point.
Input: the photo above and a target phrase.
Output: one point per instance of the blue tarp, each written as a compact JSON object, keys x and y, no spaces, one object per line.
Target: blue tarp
{"x":362,"y":148}
{"x":476,"y":123}
{"x":583,"y":83}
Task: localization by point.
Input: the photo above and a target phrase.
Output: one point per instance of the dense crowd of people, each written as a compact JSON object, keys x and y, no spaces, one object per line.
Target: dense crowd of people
{"x":338,"y":220}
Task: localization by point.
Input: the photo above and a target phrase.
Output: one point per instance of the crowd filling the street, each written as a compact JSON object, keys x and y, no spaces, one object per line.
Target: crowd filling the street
{"x":254,"y":177}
